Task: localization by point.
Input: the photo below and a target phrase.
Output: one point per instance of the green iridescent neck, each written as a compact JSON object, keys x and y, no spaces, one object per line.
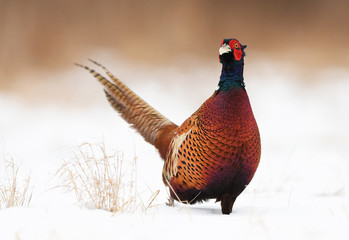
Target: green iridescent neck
{"x":231,"y":76}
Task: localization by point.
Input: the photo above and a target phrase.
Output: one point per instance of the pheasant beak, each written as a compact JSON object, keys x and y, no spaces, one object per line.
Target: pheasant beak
{"x":225,"y":48}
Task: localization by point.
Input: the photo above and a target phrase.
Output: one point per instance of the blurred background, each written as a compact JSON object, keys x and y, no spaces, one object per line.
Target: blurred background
{"x":49,"y":36}
{"x":296,"y":73}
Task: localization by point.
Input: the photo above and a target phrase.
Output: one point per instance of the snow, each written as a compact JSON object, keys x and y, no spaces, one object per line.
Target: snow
{"x":300,"y":190}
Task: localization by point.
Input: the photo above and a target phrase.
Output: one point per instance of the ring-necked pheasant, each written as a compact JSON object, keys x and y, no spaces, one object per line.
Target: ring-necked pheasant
{"x":216,"y":151}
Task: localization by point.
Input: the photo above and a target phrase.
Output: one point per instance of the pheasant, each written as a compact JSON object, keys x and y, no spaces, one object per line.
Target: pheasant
{"x":216,"y":151}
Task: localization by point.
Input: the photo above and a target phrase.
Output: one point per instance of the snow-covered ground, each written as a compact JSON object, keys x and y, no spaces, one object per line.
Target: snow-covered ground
{"x":300,"y":190}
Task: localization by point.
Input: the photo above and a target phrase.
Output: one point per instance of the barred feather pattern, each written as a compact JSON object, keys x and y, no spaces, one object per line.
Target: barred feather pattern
{"x":216,"y":151}
{"x":170,"y":167}
{"x":144,"y":118}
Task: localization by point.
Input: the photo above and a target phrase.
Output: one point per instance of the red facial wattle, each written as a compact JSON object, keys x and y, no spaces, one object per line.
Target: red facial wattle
{"x":236,"y":47}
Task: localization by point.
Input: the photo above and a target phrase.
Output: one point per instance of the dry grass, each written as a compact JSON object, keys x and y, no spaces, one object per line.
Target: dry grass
{"x":103,"y":181}
{"x":14,"y":192}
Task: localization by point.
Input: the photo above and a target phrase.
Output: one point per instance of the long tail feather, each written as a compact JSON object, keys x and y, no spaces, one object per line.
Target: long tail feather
{"x":144,"y":118}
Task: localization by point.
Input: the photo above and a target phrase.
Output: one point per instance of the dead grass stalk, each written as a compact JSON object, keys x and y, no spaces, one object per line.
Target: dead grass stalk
{"x":101,"y":180}
{"x":14,"y":192}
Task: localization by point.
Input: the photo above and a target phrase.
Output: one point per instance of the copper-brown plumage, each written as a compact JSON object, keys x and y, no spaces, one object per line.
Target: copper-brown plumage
{"x":145,"y":119}
{"x":216,"y":151}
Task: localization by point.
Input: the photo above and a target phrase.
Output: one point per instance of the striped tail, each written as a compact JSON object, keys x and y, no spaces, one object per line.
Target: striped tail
{"x":144,"y":118}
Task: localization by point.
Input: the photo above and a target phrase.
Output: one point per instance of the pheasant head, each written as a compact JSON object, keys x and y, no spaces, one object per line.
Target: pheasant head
{"x":231,"y":55}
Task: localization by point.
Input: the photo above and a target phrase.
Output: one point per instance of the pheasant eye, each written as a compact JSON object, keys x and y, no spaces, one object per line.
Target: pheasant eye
{"x":236,"y":46}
